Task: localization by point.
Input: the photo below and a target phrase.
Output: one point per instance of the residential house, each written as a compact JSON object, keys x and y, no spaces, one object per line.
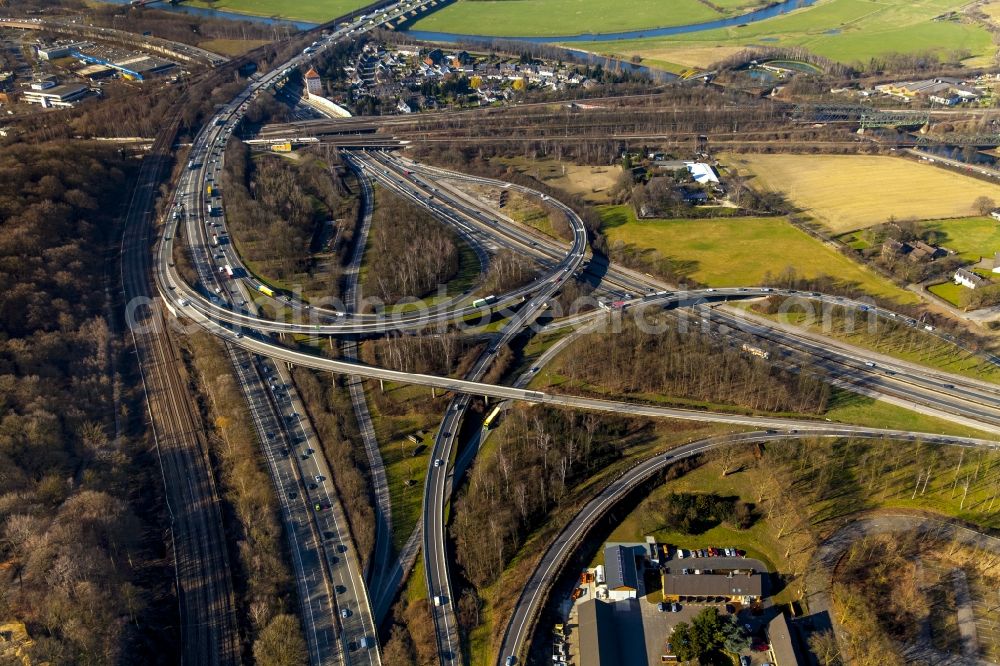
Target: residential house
{"x":434,"y":57}
{"x":313,"y":83}
{"x":968,"y":279}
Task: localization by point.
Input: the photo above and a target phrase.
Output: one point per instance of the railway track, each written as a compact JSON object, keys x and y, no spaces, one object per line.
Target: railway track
{"x":206,"y":602}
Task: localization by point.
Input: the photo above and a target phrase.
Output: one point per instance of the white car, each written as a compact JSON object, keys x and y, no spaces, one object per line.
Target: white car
{"x":438,"y":462}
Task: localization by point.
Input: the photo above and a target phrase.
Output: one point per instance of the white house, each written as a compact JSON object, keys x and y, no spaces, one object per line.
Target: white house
{"x":967,"y":278}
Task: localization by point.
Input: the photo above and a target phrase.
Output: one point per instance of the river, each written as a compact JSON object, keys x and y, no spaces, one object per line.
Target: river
{"x":771,"y":11}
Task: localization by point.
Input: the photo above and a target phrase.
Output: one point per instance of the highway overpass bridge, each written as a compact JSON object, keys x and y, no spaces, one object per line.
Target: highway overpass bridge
{"x":360,"y":141}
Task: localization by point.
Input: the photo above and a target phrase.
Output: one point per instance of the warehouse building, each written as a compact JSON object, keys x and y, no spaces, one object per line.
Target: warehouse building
{"x":63,"y":50}
{"x":611,"y":634}
{"x":620,"y":570}
{"x":784,"y":651}
{"x":61,"y":97}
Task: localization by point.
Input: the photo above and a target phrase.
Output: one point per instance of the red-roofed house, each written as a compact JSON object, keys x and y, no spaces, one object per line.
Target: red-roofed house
{"x":313,"y":84}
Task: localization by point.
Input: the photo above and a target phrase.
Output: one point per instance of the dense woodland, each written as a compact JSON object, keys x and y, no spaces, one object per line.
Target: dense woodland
{"x":409,"y":252}
{"x":277,"y":210}
{"x":433,"y":353}
{"x":508,"y":270}
{"x":82,"y":553}
{"x":539,"y":456}
{"x":690,"y":365}
{"x":895,"y":594}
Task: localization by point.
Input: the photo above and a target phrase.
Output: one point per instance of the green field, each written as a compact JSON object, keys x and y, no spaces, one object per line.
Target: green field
{"x":232,"y":47}
{"x":405,"y":472}
{"x":951,"y":292}
{"x":843,"y":30}
{"x":728,"y":252}
{"x":972,"y":237}
{"x":546,"y":18}
{"x":312,"y":11}
{"x":847,"y":407}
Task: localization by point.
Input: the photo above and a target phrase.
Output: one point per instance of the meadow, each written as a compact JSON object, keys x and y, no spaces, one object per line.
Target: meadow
{"x":835,"y":190}
{"x":972,"y":237}
{"x":955,"y":294}
{"x":593,"y":183}
{"x":728,"y":252}
{"x":848,"y":31}
{"x":545,"y":18}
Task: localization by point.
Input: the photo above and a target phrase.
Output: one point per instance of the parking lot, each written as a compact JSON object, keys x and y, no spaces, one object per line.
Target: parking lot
{"x":640,"y":619}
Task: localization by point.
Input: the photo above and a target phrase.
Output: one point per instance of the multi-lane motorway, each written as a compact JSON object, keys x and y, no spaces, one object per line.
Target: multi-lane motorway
{"x":439,"y":481}
{"x":223,"y":307}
